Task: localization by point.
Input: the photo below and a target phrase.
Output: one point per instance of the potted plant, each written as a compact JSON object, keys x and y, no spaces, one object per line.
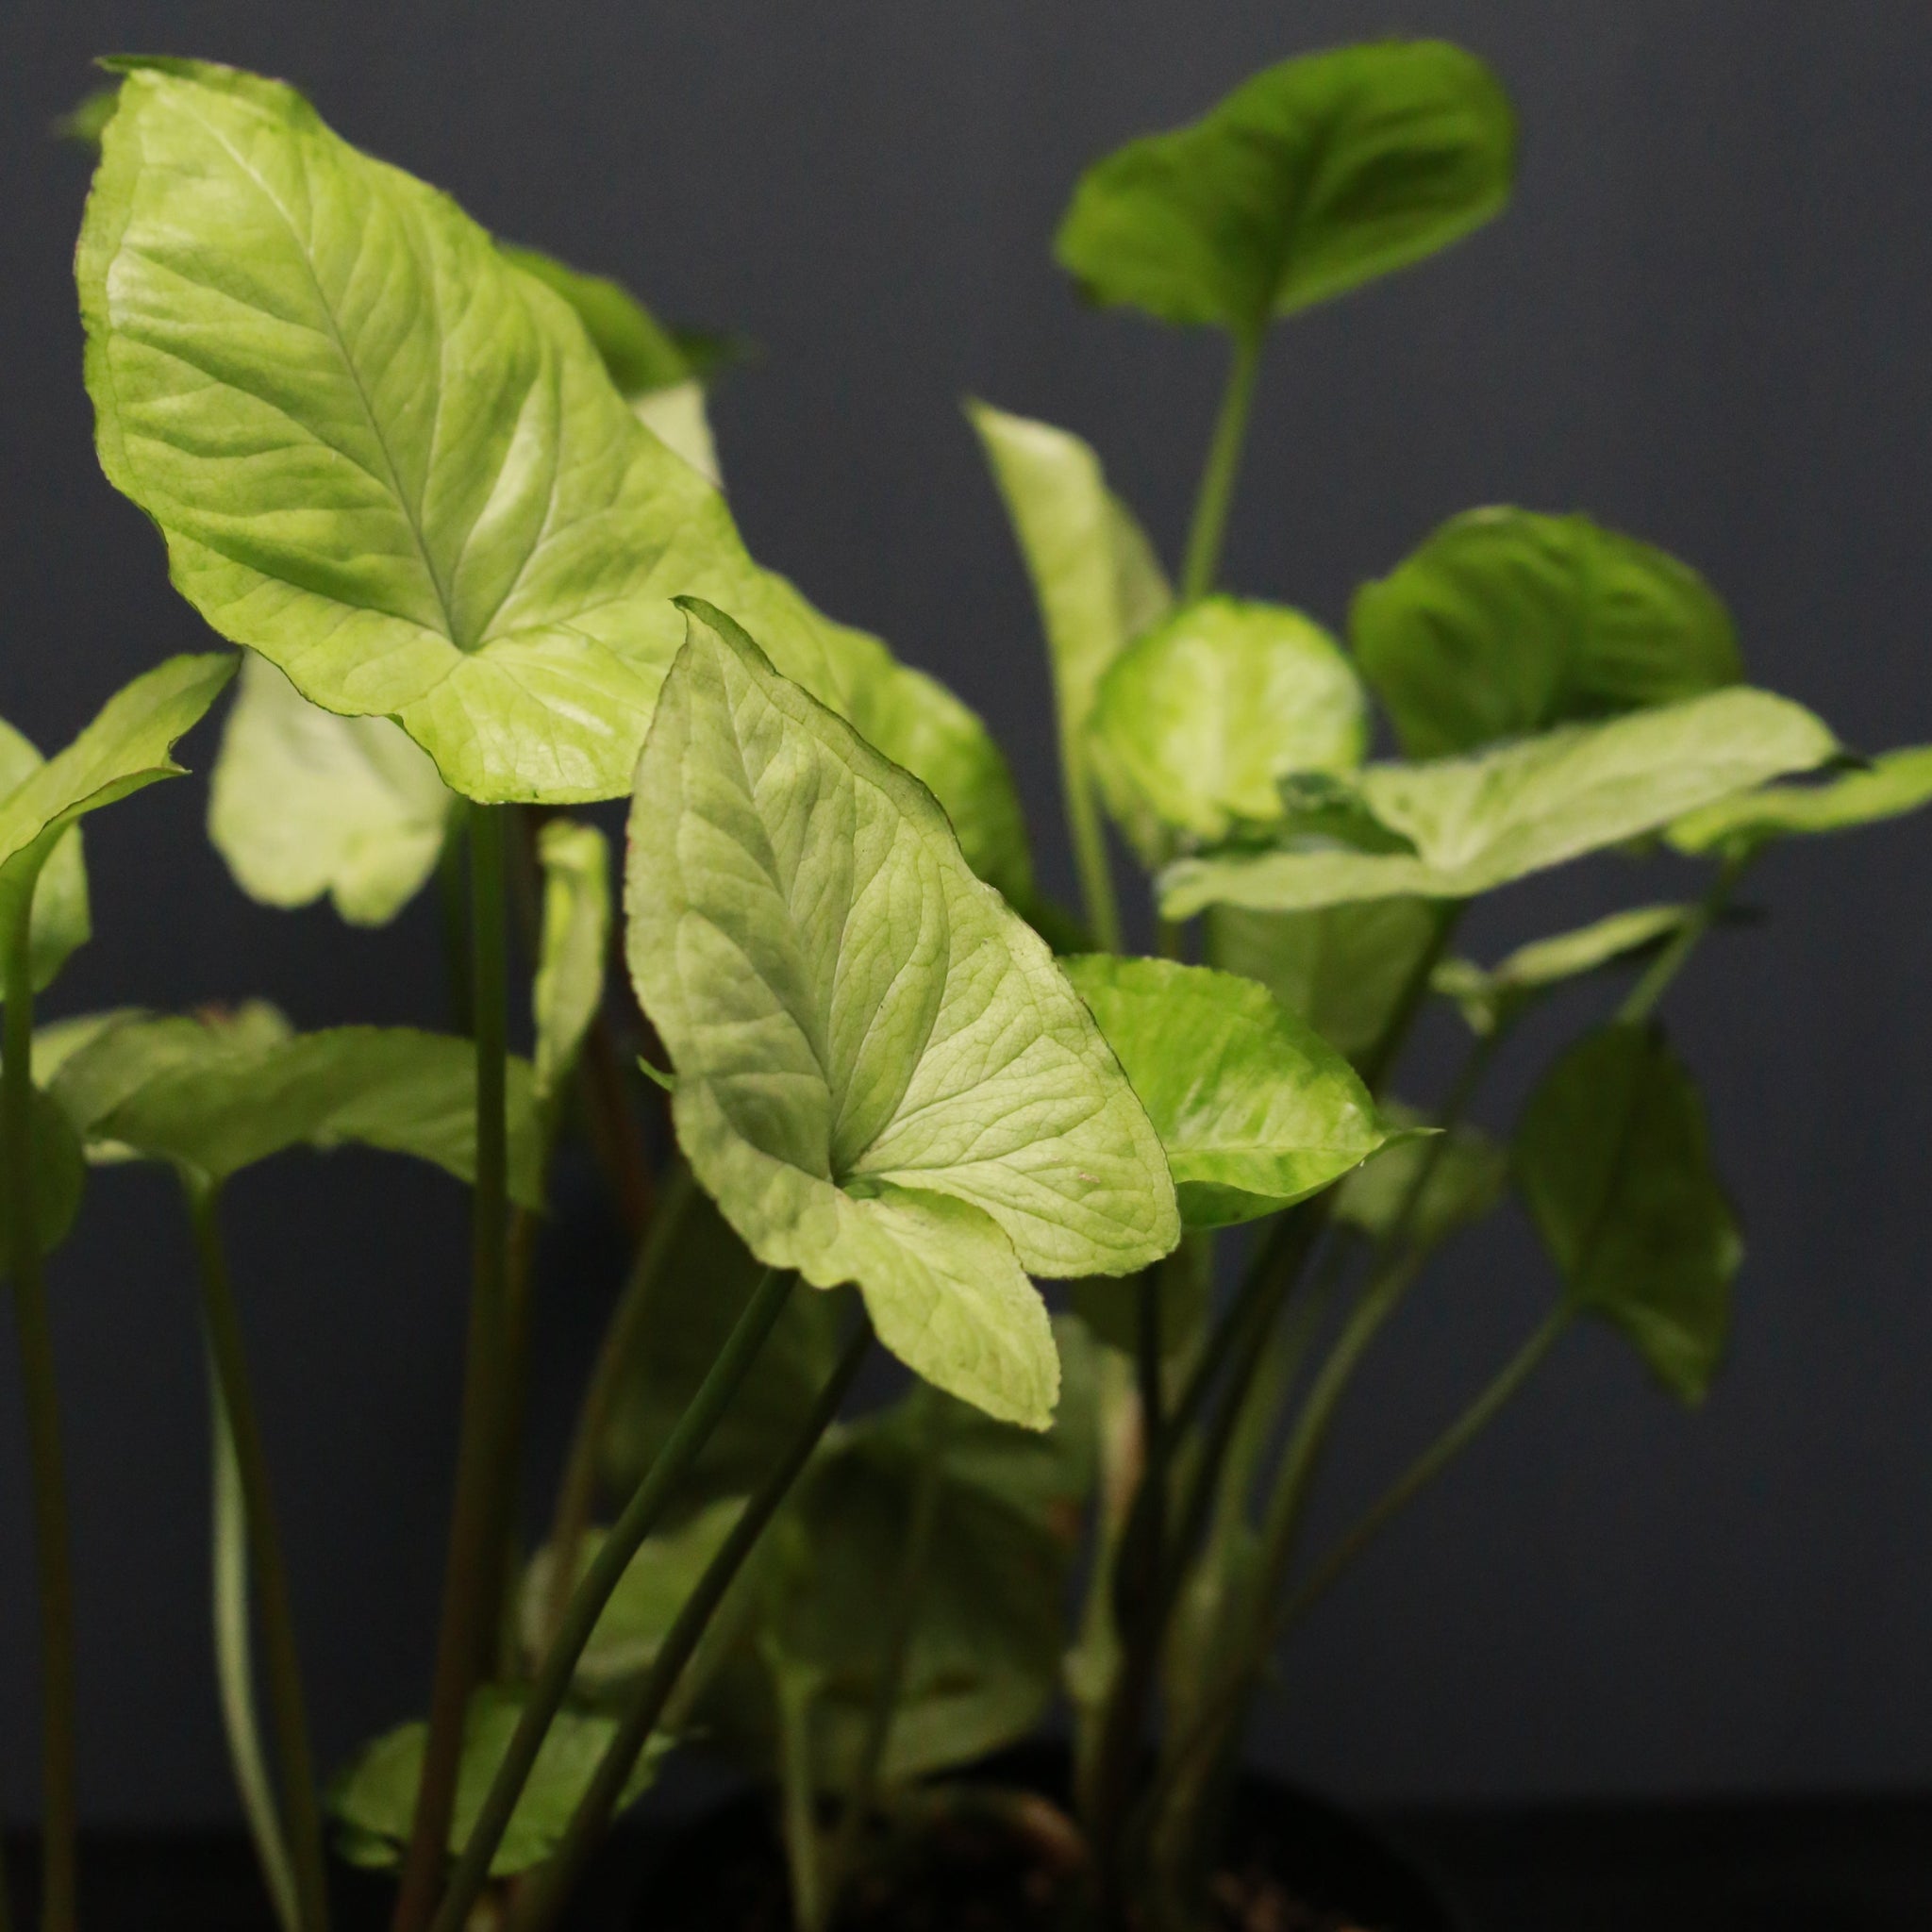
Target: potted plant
{"x":854,"y":1080}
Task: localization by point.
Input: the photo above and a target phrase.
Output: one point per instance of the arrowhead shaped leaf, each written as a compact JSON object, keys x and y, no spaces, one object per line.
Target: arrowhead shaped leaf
{"x":216,"y":1098}
{"x":1896,"y":783}
{"x":1195,"y":724}
{"x":572,"y":946}
{"x":376,"y":1798}
{"x":1613,"y":1163}
{"x":1483,"y":821}
{"x":125,"y":748}
{"x":1310,"y":178}
{"x":62,"y":918}
{"x":1254,"y":1109}
{"x":882,"y":1077}
{"x":303,"y":802}
{"x":383,"y":455}
{"x":1343,"y":969}
{"x":1506,"y":623}
{"x":1486,"y":997}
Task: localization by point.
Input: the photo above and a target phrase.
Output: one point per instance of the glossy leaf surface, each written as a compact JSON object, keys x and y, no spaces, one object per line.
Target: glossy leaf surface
{"x":304,"y":802}
{"x":882,"y":1077}
{"x":1312,"y":177}
{"x":1484,"y":820}
{"x":1195,"y":724}
{"x":1255,"y":1110}
{"x":1613,"y":1161}
{"x":1486,"y":996}
{"x":1506,"y":622}
{"x":383,"y":455}
{"x":1896,"y":782}
{"x":376,"y":1798}
{"x":62,"y":918}
{"x":573,"y":942}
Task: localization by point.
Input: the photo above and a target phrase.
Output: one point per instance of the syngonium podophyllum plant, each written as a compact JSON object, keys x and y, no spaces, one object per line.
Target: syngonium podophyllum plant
{"x":458,"y":505}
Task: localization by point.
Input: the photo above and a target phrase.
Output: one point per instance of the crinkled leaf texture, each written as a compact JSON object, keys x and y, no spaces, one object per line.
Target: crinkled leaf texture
{"x":1506,"y":622}
{"x":1482,"y":821}
{"x":126,"y":747}
{"x":882,"y":1077}
{"x":62,"y":918}
{"x":383,"y":455}
{"x":304,"y":802}
{"x":1613,"y":1161}
{"x":215,"y":1095}
{"x":1256,"y":1110}
{"x":1312,"y":177}
{"x":1487,"y":996}
{"x":1196,"y":724}
{"x":1896,"y":782}
{"x":375,"y":1800}
{"x":573,"y":942}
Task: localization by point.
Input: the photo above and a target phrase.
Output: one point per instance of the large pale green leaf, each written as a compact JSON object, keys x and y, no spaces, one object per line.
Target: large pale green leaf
{"x":303,"y":802}
{"x":215,"y":1097}
{"x":1095,"y":574}
{"x":1613,"y":1161}
{"x":375,"y":1799}
{"x":1489,"y":996}
{"x":62,"y":918}
{"x":1309,"y":179}
{"x":643,"y":359}
{"x":882,"y":1077}
{"x":383,"y":455}
{"x":1482,"y":821}
{"x":1344,"y":968}
{"x":573,"y":942}
{"x":1506,"y":622}
{"x":1255,"y":1109}
{"x":1195,"y":724}
{"x":1895,"y":783}
{"x":125,"y":748}
{"x":1466,"y":1173}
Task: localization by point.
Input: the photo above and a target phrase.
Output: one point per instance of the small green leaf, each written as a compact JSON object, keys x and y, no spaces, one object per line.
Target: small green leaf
{"x":215,"y":1096}
{"x":303,"y":802}
{"x":1484,"y":820}
{"x":1343,"y":969}
{"x":1486,"y":997}
{"x":1897,"y":782}
{"x":1094,"y":572}
{"x":1506,"y":622}
{"x":62,"y":918}
{"x":634,"y":1623}
{"x":376,"y":1798}
{"x":1312,"y":177}
{"x":60,"y":1178}
{"x":383,"y":455}
{"x":570,"y":950}
{"x":882,"y":1077}
{"x":1467,"y":1175}
{"x":1195,"y":724}
{"x":1613,"y":1163}
{"x":123,"y":749}
{"x":85,"y":121}
{"x":1255,"y":1110}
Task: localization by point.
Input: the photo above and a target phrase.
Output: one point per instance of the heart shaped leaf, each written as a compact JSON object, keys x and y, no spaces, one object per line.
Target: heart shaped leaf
{"x":303,"y":802}
{"x":214,"y":1095}
{"x":1312,"y":177}
{"x":1506,"y":622}
{"x":383,"y":455}
{"x":1613,"y":1163}
{"x":882,"y":1077}
{"x":1256,"y":1110}
{"x":1195,"y":724}
{"x":1482,"y":821}
{"x":1895,"y":783}
{"x":62,"y":920}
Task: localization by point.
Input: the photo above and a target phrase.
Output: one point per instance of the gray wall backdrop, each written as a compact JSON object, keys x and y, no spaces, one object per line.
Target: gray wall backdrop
{"x":1705,"y":318}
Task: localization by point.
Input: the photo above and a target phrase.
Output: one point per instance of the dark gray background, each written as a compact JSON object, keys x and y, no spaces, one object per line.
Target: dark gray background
{"x":1705,"y":319}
